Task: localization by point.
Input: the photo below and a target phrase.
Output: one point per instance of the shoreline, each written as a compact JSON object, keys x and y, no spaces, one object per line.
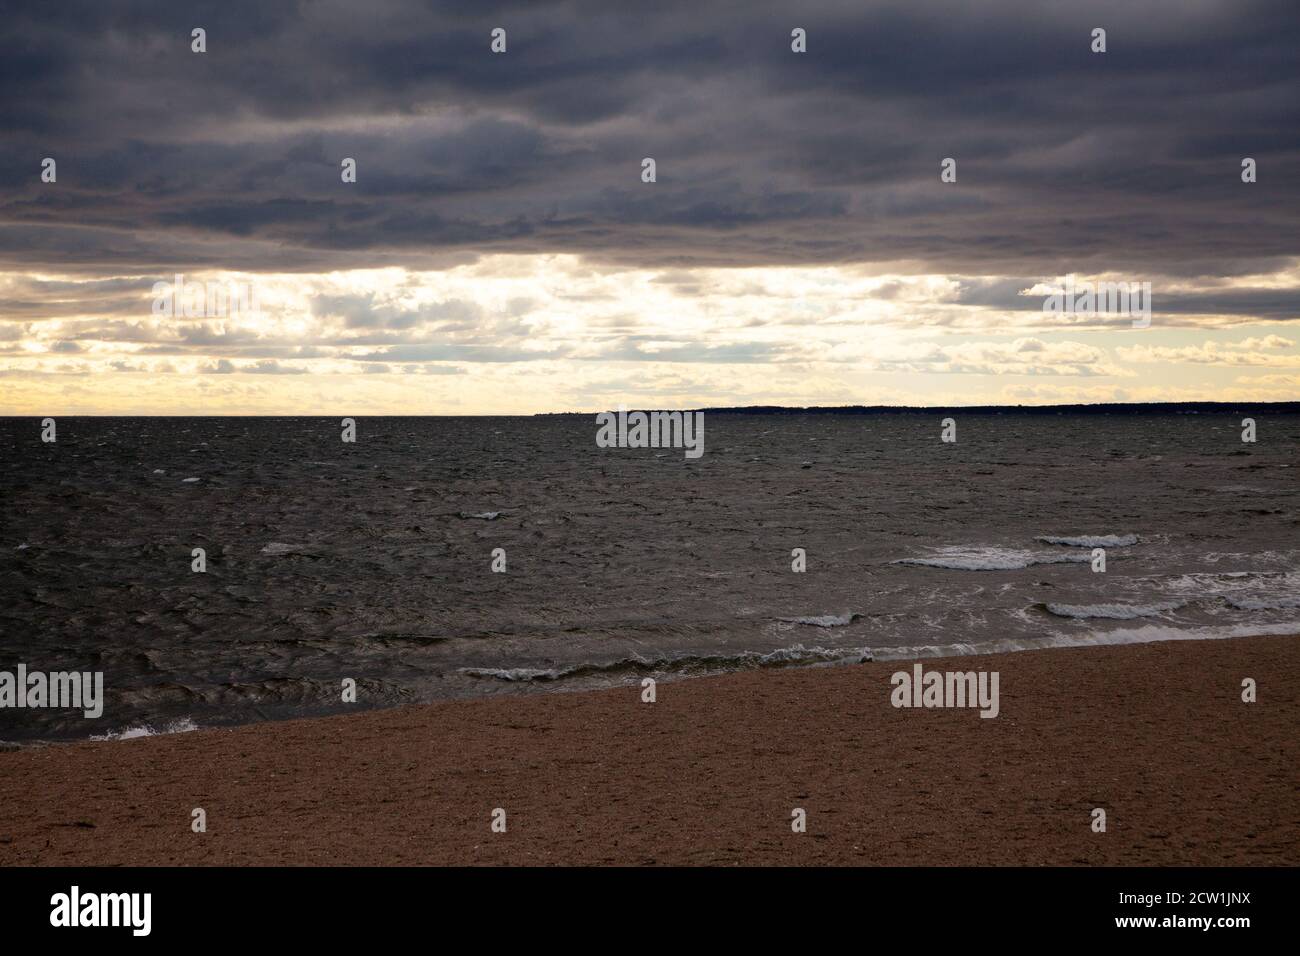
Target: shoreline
{"x":840,"y":657}
{"x":1156,"y":734}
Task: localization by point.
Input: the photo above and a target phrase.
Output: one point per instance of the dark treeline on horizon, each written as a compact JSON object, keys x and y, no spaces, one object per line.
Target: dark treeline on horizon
{"x":1125,"y":408}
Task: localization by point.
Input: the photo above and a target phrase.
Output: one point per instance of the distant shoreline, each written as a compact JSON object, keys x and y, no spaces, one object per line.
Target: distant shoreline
{"x":1119,"y":408}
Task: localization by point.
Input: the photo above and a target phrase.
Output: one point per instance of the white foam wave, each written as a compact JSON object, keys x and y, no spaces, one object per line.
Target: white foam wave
{"x":1272,"y":603}
{"x":182,"y":725}
{"x":516,"y":673}
{"x":279,"y":547}
{"x":782,"y":656}
{"x":1244,"y":590}
{"x":993,"y":559}
{"x":800,"y":655}
{"x":1146,"y":634}
{"x":1091,"y":540}
{"x":1116,"y":612}
{"x":824,"y":620}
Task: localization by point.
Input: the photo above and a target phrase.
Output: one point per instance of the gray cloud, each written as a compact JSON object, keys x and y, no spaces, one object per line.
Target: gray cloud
{"x":1266,"y":303}
{"x":1067,"y":161}
{"x":263,"y":367}
{"x":361,"y":311}
{"x":457,"y":353}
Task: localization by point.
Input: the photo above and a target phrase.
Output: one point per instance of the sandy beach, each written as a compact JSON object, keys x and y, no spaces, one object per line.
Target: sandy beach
{"x":1156,"y":734}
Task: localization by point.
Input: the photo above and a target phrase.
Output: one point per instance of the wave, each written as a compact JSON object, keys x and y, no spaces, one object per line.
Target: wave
{"x":1274,"y":603}
{"x":993,"y":559}
{"x":182,"y":725}
{"x":1244,"y":590}
{"x":1115,"y":612}
{"x":782,"y":657}
{"x":798,"y":655}
{"x":824,"y":620}
{"x":1091,"y":540}
{"x":1146,"y":634}
{"x":279,"y":547}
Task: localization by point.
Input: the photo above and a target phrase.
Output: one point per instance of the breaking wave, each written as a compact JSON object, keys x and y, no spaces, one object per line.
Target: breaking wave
{"x":1091,"y":540}
{"x":182,"y":725}
{"x":1274,"y":603}
{"x":1146,"y":634}
{"x":824,"y":620}
{"x":1115,"y":612}
{"x":798,"y":655}
{"x":992,"y":559}
{"x":280,"y":547}
{"x":794,"y":655}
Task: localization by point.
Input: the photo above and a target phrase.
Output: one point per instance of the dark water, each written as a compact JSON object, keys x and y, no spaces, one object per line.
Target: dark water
{"x":328,"y":560}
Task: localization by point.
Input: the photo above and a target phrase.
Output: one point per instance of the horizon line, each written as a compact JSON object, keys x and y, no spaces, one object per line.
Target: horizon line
{"x":1192,"y":407}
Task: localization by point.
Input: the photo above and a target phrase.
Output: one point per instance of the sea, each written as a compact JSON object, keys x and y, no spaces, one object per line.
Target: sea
{"x":459,"y":557}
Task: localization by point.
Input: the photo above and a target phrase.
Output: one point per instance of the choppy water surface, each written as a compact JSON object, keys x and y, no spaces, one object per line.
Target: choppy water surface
{"x":373,"y":560}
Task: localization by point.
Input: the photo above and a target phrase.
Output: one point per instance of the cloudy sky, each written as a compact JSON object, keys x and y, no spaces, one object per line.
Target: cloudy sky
{"x":499,"y":251}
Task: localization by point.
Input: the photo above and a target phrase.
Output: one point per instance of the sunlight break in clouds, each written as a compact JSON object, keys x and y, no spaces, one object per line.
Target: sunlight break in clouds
{"x":522,"y":334}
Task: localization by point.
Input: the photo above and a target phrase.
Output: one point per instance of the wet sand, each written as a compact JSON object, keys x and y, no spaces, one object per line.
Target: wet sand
{"x":1155,"y":734}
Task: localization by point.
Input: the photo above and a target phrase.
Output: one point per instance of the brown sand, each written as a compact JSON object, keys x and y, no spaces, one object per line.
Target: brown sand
{"x":1156,"y":734}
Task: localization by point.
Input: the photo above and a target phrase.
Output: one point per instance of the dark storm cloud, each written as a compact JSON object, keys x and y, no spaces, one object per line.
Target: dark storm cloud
{"x":1068,"y":161}
{"x":1278,"y":304}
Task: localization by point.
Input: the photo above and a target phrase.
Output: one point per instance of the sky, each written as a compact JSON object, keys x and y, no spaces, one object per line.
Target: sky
{"x":501,"y":252}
